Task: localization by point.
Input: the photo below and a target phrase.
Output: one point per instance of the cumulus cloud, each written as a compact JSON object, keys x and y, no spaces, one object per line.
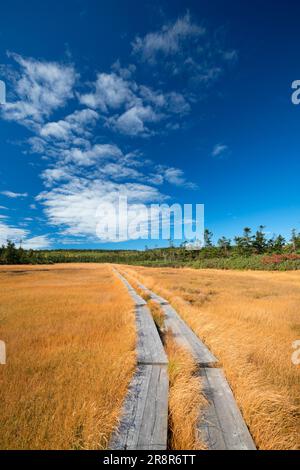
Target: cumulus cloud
{"x":75,"y":206}
{"x":92,"y":155}
{"x":133,"y":122}
{"x":75,"y":124}
{"x":110,"y":92}
{"x":132,"y":106}
{"x":40,"y":88}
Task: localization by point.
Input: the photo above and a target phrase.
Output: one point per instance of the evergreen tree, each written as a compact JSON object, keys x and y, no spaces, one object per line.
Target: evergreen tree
{"x":208,"y":238}
{"x":244,"y":243}
{"x":260,"y":242}
{"x":225,"y":245}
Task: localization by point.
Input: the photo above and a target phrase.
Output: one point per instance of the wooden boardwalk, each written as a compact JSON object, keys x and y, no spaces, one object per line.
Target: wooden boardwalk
{"x":144,"y":418}
{"x":220,"y":425}
{"x":183,"y":334}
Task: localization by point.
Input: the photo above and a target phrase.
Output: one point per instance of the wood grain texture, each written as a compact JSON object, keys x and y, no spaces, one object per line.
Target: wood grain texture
{"x":144,"y":417}
{"x":183,"y":334}
{"x":149,"y":346}
{"x":221,"y":425}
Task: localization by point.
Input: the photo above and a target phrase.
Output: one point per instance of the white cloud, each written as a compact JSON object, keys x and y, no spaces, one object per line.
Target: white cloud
{"x":40,"y":88}
{"x":132,"y":105}
{"x":167,"y":41}
{"x":111,"y":92}
{"x":132,"y":122}
{"x":92,"y":155}
{"x":36,"y":243}
{"x":124,"y":72}
{"x":21,"y":235}
{"x":82,"y":173}
{"x":76,"y":124}
{"x":13,"y":195}
{"x":187,"y":50}
{"x":74,"y":206}
{"x":219,"y":149}
{"x":174,"y":103}
{"x":13,"y":234}
{"x":55,"y":175}
{"x":118,"y":171}
{"x":176,"y":176}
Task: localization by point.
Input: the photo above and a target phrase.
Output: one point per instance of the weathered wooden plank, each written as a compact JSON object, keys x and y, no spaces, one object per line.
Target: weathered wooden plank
{"x":183,"y":334}
{"x":149,"y":346}
{"x":221,"y":425}
{"x":153,"y":295}
{"x":154,"y":426}
{"x":144,"y":418}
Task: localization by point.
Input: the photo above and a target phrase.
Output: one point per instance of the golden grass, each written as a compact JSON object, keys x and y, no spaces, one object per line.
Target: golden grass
{"x":185,"y":398}
{"x":249,"y":320}
{"x":70,"y":336}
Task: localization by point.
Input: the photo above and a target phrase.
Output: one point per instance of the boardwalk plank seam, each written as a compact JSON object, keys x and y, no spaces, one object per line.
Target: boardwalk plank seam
{"x":220,"y":425}
{"x":144,"y":417}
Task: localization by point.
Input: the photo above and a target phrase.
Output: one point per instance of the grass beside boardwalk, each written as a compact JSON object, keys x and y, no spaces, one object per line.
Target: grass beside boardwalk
{"x":249,"y":320}
{"x":185,"y":387}
{"x":70,"y":337}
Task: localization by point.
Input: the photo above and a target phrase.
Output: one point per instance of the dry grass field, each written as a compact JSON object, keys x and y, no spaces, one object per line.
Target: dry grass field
{"x":185,"y":398}
{"x":70,"y":336}
{"x":249,"y":320}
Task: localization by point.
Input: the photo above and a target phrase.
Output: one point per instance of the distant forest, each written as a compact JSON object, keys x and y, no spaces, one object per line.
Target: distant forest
{"x":247,"y":251}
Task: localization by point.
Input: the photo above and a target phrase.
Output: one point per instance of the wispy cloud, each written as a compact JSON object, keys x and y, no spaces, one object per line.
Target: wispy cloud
{"x":219,"y":150}
{"x":186,"y":49}
{"x":40,"y":87}
{"x":13,"y":195}
{"x":37,"y":243}
{"x":167,"y":41}
{"x":83,"y":168}
{"x":22,"y":236}
{"x":176,"y":176}
{"x":110,"y":92}
{"x":134,"y":121}
{"x":14,"y":234}
{"x":131,"y":107}
{"x":74,"y":125}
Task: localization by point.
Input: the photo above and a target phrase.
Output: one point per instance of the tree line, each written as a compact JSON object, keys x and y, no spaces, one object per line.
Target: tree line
{"x":248,"y":245}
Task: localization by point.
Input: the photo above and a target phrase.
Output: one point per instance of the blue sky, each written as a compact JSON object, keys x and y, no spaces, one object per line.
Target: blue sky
{"x":182,"y":101}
